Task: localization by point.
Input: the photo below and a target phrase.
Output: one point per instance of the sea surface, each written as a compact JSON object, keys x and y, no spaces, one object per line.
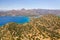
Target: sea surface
{"x":17,"y":19}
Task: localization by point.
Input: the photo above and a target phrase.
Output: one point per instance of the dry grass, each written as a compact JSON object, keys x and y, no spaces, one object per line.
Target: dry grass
{"x":46,"y":27}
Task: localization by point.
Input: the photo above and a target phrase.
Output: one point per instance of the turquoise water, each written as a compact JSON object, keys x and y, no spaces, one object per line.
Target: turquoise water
{"x":17,"y":19}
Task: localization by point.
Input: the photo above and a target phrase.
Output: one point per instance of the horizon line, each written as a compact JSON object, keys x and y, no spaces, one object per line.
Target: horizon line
{"x":31,"y":9}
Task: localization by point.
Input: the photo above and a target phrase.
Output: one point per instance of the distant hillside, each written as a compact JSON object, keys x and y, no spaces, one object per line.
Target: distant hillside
{"x":29,"y":12}
{"x":46,"y":27}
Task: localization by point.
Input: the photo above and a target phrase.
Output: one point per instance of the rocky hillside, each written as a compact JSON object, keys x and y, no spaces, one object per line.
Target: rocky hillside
{"x":46,"y":27}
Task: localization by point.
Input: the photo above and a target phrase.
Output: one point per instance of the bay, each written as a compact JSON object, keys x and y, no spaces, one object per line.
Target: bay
{"x":17,"y":19}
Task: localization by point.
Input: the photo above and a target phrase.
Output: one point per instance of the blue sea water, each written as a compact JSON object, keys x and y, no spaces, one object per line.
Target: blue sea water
{"x":17,"y":19}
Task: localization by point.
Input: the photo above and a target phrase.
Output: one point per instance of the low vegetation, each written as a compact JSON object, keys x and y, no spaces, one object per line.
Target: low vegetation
{"x":47,"y":27}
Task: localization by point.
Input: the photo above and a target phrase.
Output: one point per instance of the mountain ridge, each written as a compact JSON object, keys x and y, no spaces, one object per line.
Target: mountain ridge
{"x":29,"y":12}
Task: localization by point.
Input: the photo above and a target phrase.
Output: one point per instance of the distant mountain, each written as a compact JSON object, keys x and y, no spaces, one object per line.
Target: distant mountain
{"x":46,"y":27}
{"x":30,"y":12}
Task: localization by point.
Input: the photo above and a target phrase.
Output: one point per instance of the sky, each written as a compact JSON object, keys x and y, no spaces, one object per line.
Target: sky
{"x":29,"y":4}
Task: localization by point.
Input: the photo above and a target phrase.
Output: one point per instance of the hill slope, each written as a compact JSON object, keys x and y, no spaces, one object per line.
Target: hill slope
{"x":46,"y":27}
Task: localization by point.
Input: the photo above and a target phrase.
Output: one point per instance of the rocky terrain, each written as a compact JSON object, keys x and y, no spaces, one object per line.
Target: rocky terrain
{"x":46,"y":27}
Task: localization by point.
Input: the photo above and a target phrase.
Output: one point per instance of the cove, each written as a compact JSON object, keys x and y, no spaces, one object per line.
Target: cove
{"x":17,"y":19}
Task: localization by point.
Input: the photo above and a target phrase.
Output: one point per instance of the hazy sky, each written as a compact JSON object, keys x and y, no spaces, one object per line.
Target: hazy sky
{"x":28,"y":4}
